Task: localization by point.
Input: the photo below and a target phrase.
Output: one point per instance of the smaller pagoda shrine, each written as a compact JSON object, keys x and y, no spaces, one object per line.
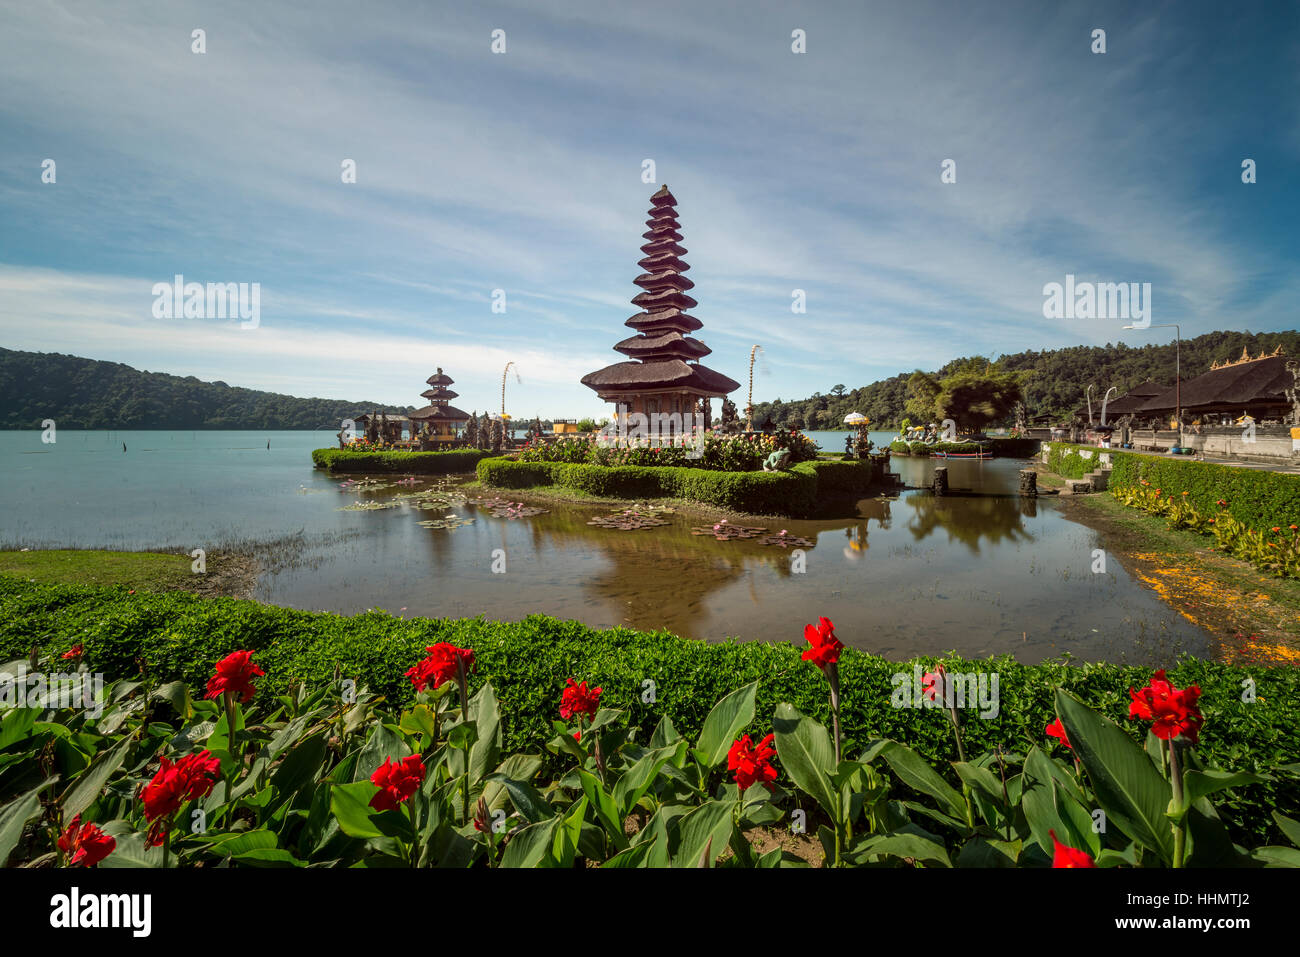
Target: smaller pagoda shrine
{"x":437,"y":422}
{"x":664,"y":374}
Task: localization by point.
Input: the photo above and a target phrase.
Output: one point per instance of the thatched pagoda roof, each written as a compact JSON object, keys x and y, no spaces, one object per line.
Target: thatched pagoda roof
{"x":666,"y":373}
{"x":1232,"y":385}
{"x":438,"y":413}
{"x":439,"y":393}
{"x":663,"y":198}
{"x":439,"y":379}
{"x":669,"y":344}
{"x":1133,"y":400}
{"x":662,"y":344}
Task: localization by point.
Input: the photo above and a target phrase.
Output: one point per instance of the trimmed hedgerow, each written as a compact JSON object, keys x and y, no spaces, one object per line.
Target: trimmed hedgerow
{"x":792,"y":492}
{"x":422,"y":463}
{"x":1256,"y":498}
{"x":180,"y":636}
{"x":921,"y":448}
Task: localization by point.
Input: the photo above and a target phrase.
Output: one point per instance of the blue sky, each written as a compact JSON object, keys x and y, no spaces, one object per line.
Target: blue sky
{"x":522,"y":171}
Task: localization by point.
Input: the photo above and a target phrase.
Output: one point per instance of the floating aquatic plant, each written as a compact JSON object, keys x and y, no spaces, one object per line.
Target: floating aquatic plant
{"x":725,"y":531}
{"x":632,"y":518}
{"x":783,"y":539}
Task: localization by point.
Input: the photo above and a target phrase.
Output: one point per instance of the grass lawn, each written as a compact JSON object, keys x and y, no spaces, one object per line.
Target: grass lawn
{"x":146,"y":571}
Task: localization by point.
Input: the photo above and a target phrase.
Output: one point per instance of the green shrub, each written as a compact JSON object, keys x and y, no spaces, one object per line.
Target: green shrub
{"x":793,"y":492}
{"x":180,"y":636}
{"x":422,"y":463}
{"x":1257,"y":498}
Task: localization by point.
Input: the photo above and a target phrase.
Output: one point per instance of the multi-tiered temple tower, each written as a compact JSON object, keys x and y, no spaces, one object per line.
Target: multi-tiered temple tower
{"x":664,"y":375}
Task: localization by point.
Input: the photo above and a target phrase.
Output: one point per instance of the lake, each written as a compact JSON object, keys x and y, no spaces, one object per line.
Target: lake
{"x":978,"y":574}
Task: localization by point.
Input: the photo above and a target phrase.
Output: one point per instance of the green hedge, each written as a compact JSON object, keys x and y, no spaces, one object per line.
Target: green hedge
{"x":1256,"y":498}
{"x":423,"y":463}
{"x":792,"y":492}
{"x":921,"y":448}
{"x":181,"y":636}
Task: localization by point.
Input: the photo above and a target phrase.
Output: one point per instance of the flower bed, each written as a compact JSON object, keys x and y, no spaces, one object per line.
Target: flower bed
{"x":717,"y":452}
{"x":328,"y":774}
{"x":420,"y":463}
{"x":179,"y":636}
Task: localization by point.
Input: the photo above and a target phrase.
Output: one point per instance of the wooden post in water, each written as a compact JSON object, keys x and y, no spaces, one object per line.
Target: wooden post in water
{"x":1028,"y":483}
{"x":941,"y":480}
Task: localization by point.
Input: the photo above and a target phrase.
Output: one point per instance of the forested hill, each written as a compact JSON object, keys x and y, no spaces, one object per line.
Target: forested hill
{"x":88,"y":394}
{"x":1055,"y":379}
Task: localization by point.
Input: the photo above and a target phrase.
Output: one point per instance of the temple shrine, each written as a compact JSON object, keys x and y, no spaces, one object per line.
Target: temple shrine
{"x":664,"y":374}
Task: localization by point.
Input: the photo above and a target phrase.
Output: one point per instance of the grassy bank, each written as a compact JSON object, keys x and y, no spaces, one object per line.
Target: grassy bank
{"x":180,"y":636}
{"x":226,"y":574}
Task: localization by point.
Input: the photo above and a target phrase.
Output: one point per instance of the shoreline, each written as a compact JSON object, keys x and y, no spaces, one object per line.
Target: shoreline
{"x":1254,"y":617}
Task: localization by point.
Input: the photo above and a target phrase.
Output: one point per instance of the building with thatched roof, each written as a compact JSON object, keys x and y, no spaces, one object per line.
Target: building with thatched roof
{"x":1133,"y":400}
{"x":438,"y":420}
{"x":1263,"y":388}
{"x":663,"y":374}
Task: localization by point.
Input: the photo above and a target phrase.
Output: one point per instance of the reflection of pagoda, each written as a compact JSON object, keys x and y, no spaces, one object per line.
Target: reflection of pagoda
{"x":439,"y":416}
{"x":665,"y":374}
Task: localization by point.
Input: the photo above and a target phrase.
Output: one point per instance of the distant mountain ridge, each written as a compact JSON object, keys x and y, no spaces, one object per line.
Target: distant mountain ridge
{"x":1056,"y":381}
{"x":82,"y":393}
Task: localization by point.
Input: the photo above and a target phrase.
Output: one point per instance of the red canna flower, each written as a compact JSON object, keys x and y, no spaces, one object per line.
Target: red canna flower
{"x":397,"y":781}
{"x":235,"y":673}
{"x":73,"y":652}
{"x":1173,"y":712}
{"x":826,"y":647}
{"x":932,"y":684}
{"x":752,"y":764}
{"x":441,"y":665}
{"x":1064,"y":856}
{"x":1276,"y":528}
{"x":87,"y":844}
{"x":190,"y":778}
{"x":1057,"y":730}
{"x":578,"y":699}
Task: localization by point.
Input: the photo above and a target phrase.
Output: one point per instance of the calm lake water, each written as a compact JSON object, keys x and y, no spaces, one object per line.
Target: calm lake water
{"x":979,"y":574}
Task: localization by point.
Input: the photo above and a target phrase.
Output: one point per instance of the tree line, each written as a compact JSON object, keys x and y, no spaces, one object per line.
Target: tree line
{"x":1051,"y":383}
{"x":90,"y":394}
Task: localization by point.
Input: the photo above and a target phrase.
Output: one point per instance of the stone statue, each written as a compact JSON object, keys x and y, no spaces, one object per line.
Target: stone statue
{"x":864,"y":444}
{"x":730,"y":420}
{"x":498,"y":435}
{"x":776,"y":461}
{"x":471,"y":430}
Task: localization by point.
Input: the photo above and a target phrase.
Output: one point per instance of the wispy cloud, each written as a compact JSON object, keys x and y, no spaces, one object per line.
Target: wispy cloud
{"x":521,"y":172}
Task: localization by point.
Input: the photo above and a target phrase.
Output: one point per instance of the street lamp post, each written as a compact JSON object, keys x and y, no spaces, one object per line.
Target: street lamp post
{"x":1178,"y":379}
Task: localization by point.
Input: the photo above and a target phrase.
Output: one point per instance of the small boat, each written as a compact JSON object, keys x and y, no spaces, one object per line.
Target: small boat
{"x":986,"y":454}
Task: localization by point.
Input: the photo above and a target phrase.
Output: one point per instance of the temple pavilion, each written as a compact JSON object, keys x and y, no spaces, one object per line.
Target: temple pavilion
{"x":438,"y":421}
{"x":1264,"y":387}
{"x":664,"y":374}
